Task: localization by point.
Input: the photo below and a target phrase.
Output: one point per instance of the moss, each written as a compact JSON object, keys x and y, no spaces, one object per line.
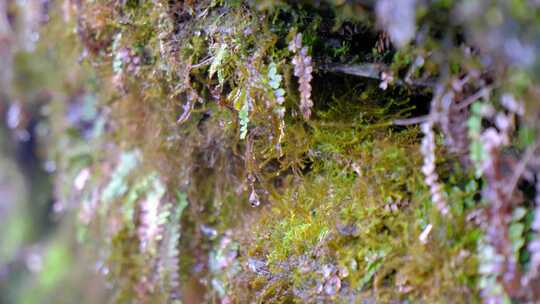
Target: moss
{"x":191,"y":87}
{"x":349,"y":168}
{"x":335,"y":216}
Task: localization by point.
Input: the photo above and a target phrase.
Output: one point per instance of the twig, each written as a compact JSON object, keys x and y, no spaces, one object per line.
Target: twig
{"x":410,"y":121}
{"x":202,"y":63}
{"x":367,"y":70}
{"x":372,"y":71}
{"x":469,"y":100}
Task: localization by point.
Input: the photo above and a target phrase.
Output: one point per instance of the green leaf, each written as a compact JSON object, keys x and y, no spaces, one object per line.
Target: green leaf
{"x":475,"y":125}
{"x":117,"y":186}
{"x":117,"y":63}
{"x":471,"y":186}
{"x":218,"y":60}
{"x":518,"y":214}
{"x":370,"y":271}
{"x":239,"y":98}
{"x":181,"y":198}
{"x":477,"y":151}
{"x":274,"y":84}
{"x":515,"y":233}
{"x":526,"y":136}
{"x":476,"y":109}
{"x":243,"y":116}
{"x":274,"y":77}
{"x":272,"y":70}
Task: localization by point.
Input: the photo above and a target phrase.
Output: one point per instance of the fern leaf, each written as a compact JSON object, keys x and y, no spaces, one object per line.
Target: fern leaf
{"x":169,"y":257}
{"x":218,"y":61}
{"x":303,"y":69}
{"x":243,"y":116}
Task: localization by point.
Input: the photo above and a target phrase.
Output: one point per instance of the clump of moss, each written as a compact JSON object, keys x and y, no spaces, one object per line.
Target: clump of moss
{"x":334,"y":236}
{"x":200,"y":98}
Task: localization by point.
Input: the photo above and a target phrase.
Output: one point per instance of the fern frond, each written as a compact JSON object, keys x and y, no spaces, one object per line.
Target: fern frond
{"x":303,"y":69}
{"x":431,"y":177}
{"x":152,"y":215}
{"x":169,"y":258}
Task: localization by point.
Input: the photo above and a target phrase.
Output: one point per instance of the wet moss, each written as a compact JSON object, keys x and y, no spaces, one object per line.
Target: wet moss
{"x":361,"y":221}
{"x":342,"y":200}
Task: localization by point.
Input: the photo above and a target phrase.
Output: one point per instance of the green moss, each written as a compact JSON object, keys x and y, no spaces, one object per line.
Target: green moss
{"x":193,"y":89}
{"x":337,"y":216}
